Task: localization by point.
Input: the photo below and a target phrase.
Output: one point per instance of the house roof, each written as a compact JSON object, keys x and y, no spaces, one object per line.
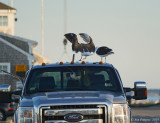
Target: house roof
{"x":18,"y":49}
{"x":4,"y":6}
{"x":34,"y":43}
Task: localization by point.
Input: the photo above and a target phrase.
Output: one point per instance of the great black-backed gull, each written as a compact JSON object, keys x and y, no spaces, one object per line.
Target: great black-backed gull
{"x":103,"y":51}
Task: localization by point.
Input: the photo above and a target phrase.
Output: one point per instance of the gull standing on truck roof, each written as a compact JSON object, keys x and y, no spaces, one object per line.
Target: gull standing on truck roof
{"x":103,"y":51}
{"x":85,"y":49}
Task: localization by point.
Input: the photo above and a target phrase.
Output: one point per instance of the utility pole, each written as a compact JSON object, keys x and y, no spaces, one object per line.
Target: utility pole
{"x":65,"y":16}
{"x":11,"y":3}
{"x":42,"y":29}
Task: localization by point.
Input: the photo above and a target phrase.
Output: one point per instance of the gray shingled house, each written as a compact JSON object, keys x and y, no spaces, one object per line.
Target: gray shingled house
{"x":16,"y":57}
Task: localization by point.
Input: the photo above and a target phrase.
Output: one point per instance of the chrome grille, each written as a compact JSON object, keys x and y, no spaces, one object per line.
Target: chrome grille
{"x":91,"y":113}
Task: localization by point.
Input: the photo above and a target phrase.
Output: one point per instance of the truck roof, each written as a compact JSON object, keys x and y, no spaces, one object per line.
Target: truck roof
{"x":61,"y":64}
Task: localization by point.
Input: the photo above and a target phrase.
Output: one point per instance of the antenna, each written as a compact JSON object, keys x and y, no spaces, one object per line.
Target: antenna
{"x":42,"y":29}
{"x":17,"y":77}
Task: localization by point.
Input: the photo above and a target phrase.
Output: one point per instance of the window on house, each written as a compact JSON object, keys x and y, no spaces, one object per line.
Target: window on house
{"x":3,"y":20}
{"x":0,"y":20}
{"x":5,"y":67}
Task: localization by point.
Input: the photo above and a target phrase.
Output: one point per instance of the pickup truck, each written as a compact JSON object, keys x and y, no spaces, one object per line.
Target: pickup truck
{"x":83,"y":92}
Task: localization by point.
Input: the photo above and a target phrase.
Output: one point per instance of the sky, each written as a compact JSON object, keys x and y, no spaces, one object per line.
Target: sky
{"x":130,"y":27}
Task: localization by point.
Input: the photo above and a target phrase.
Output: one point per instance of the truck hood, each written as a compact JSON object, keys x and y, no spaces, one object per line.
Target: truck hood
{"x":74,"y":97}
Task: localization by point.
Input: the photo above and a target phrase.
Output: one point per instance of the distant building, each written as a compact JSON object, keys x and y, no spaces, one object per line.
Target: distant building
{"x":16,"y":56}
{"x":7,"y":19}
{"x":40,"y":59}
{"x":16,"y":53}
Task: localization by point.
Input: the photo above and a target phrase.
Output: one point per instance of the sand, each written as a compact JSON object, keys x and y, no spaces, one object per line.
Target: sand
{"x":146,"y":111}
{"x":146,"y":114}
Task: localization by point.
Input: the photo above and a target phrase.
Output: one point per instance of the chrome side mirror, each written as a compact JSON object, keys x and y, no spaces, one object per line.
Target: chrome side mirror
{"x":139,"y":84}
{"x":5,"y":93}
{"x":5,"y":88}
{"x":140,"y":90}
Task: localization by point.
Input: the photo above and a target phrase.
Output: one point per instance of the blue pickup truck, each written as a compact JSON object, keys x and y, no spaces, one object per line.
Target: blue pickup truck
{"x":84,"y":92}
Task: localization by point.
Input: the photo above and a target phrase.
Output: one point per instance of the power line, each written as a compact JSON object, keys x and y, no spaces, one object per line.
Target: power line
{"x":42,"y":29}
{"x":65,"y":16}
{"x":65,"y":30}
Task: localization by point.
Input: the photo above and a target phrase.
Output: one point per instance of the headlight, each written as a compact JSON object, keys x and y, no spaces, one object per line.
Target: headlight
{"x":25,"y":115}
{"x":120,"y":113}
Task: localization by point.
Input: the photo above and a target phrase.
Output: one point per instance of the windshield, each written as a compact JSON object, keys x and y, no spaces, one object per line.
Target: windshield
{"x":72,"y":79}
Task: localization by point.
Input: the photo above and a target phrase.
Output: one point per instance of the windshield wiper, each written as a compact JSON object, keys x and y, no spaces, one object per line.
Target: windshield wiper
{"x":80,"y":89}
{"x":43,"y":90}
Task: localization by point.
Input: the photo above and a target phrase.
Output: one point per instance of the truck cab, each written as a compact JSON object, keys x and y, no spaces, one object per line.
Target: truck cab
{"x":76,"y":92}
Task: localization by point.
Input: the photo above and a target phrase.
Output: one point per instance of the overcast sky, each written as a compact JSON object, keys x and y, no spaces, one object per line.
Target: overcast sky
{"x":130,"y":27}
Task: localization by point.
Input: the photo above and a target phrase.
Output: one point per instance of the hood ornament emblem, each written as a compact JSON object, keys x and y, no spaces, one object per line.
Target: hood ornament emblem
{"x":73,"y":117}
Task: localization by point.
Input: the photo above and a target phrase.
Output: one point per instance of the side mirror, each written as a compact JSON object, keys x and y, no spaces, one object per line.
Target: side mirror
{"x":140,"y":91}
{"x":5,"y":88}
{"x":5,"y":94}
